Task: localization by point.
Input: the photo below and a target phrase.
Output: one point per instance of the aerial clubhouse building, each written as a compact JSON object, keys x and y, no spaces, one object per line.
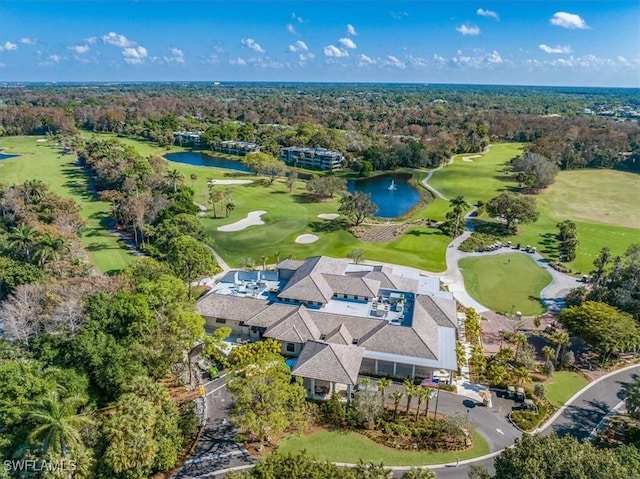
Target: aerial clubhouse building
{"x":339,"y":320}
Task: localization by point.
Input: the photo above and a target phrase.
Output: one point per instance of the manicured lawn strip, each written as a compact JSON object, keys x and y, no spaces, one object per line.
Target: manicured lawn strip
{"x":349,"y":447}
{"x":598,"y":196}
{"x":563,"y":385}
{"x":502,"y":281}
{"x":41,"y":161}
{"x":480,"y":179}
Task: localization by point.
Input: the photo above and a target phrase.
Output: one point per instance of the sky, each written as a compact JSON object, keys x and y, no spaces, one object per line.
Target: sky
{"x":508,"y":42}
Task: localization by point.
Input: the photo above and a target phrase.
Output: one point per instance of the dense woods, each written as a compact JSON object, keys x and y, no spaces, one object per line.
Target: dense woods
{"x":375,"y":127}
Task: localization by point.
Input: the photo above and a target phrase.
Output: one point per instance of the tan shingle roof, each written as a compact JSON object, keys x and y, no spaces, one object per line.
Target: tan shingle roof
{"x":329,"y":362}
{"x":308,"y":284}
{"x":352,"y":286}
{"x":229,"y":307}
{"x":442,"y":310}
{"x":398,"y":340}
{"x":340,"y":335}
{"x":290,"y":264}
{"x":297,"y":327}
{"x":270,"y":315}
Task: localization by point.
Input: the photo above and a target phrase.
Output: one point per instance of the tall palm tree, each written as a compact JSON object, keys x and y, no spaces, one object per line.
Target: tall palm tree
{"x":632,"y":401}
{"x":421,"y":395}
{"x":409,"y":390}
{"x":521,"y":375}
{"x":34,"y":191}
{"x":58,"y":423}
{"x":459,"y":206}
{"x":562,"y":340}
{"x":22,"y":239}
{"x":429,"y":392}
{"x":277,"y":255}
{"x":396,"y":396}
{"x":175,"y":178}
{"x":519,"y":339}
{"x":548,"y":352}
{"x":194,"y":178}
{"x":264,"y":262}
{"x":382,"y":385}
{"x":229,"y":207}
{"x":50,"y":248}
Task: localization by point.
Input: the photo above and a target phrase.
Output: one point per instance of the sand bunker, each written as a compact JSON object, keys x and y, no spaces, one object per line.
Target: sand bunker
{"x":328,"y":216}
{"x":41,"y":140}
{"x":306,"y":239}
{"x":252,"y":219}
{"x":230,"y":182}
{"x":470,"y":158}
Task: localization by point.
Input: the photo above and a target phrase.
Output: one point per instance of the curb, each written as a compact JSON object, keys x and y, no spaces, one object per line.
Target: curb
{"x":579,"y":393}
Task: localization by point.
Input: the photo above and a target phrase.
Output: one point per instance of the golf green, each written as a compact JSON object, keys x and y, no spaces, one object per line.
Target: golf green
{"x":505,"y":282}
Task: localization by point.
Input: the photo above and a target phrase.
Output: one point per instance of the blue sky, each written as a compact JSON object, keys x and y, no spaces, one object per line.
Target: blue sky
{"x":582,"y":43}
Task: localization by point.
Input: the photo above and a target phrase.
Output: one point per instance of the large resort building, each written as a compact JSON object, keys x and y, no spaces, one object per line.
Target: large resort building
{"x":314,"y":158}
{"x":339,"y":320}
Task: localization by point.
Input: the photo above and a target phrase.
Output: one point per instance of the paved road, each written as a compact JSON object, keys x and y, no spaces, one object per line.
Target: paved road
{"x":217,"y":448}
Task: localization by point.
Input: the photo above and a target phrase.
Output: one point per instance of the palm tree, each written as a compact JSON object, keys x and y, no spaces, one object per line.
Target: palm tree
{"x":214,"y":197}
{"x":632,"y":401}
{"x":519,"y":339}
{"x":429,"y":392}
{"x":50,"y":248}
{"x":396,"y":396}
{"x":229,"y":207}
{"x":264,"y":262}
{"x":34,"y":191}
{"x":561,"y":339}
{"x":383,"y":384}
{"x":277,"y":255}
{"x":409,"y":389}
{"x":58,"y":423}
{"x":175,"y":178}
{"x":521,"y":375}
{"x":421,"y":395}
{"x":419,"y":473}
{"x":459,"y":206}
{"x":548,"y":352}
{"x":194,"y":178}
{"x":21,"y":240}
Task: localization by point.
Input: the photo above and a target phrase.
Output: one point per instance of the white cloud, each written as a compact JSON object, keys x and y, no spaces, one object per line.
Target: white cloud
{"x":399,"y":15}
{"x":468,"y":30}
{"x":298,"y":18}
{"x":299,"y":46}
{"x":351,"y":30}
{"x":291,"y":29}
{"x":487,"y":13}
{"x":418,"y":62}
{"x":91,"y":40}
{"x":348,"y":43}
{"x":494,"y":57}
{"x":395,"y":62}
{"x":8,"y":46}
{"x":366,"y":60}
{"x":557,"y":49}
{"x":333,"y":51}
{"x":28,"y":41}
{"x":135,"y":55}
{"x":80,"y":49}
{"x":439,"y":59}
{"x":568,"y":20}
{"x":54,"y":58}
{"x":251,"y":43}
{"x":177,"y":56}
{"x":117,"y":40}
{"x":238,"y":61}
{"x":306,"y":56}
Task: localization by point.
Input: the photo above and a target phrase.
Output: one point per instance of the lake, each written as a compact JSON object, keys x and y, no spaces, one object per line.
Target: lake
{"x":4,"y":156}
{"x":202,"y":159}
{"x":391,"y":202}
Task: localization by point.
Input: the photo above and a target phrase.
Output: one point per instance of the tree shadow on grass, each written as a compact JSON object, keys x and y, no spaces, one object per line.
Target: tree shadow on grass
{"x":329,"y":226}
{"x":490,"y":227}
{"x":307,"y":198}
{"x":549,"y":246}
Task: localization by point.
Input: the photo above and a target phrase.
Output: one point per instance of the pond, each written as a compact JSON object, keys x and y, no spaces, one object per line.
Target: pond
{"x":4,"y":156}
{"x":392,"y":193}
{"x":202,"y":159}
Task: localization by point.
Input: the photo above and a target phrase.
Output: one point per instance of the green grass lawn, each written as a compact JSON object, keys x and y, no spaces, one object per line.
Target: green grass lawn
{"x":563,"y":385}
{"x":480,"y":179}
{"x":38,"y":160}
{"x":505,"y":280}
{"x":350,"y":447}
